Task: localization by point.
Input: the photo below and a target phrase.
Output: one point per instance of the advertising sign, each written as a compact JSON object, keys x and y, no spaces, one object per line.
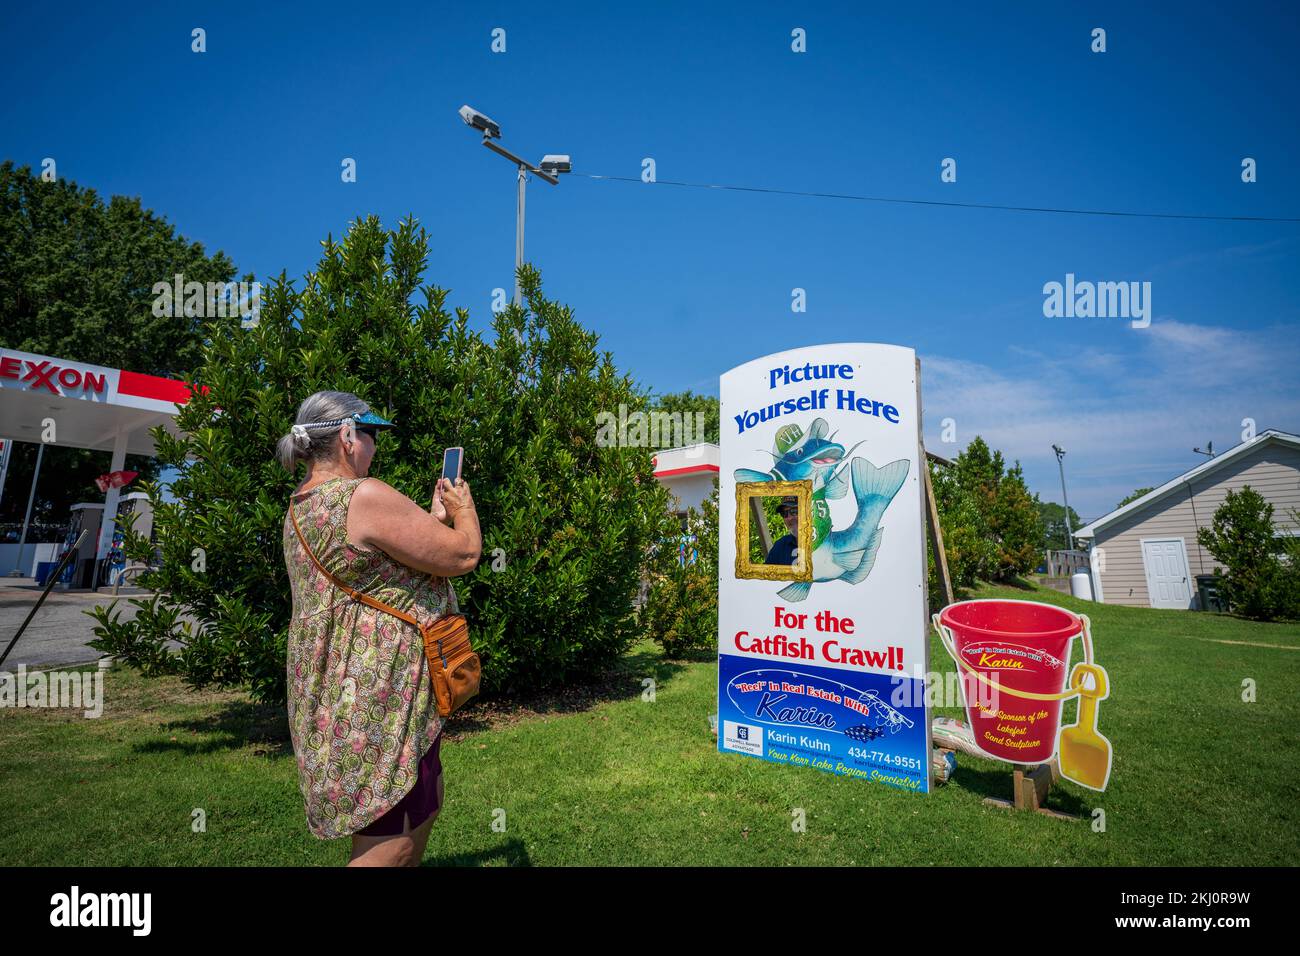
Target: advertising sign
{"x":822,"y":564}
{"x":1013,"y":658}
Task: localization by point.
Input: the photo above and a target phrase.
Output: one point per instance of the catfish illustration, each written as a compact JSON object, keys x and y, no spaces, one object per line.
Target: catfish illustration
{"x":848,"y":554}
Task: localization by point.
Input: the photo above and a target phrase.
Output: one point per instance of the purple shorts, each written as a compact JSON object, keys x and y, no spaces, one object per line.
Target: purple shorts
{"x":420,"y":802}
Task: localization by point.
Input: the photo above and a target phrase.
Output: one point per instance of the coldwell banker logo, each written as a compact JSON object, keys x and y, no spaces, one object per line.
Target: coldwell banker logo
{"x":103,"y":909}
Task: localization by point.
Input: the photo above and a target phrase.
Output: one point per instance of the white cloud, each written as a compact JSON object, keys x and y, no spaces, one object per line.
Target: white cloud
{"x":1275,"y":250}
{"x":1125,"y":419}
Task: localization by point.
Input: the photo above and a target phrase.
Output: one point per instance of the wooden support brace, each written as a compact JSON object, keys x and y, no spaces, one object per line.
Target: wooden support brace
{"x":1030,"y":786}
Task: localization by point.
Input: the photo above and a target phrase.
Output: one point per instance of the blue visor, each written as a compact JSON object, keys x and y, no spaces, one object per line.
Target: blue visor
{"x":372,"y":420}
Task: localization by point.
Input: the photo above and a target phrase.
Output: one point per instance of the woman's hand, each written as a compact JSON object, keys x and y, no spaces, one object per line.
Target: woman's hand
{"x":438,"y":509}
{"x":455,"y":498}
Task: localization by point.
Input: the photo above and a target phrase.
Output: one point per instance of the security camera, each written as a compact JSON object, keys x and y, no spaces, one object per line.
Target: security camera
{"x":474,"y":118}
{"x":553,"y":163}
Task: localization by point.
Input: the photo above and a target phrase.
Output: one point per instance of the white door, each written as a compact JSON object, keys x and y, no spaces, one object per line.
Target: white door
{"x":1168,"y":578}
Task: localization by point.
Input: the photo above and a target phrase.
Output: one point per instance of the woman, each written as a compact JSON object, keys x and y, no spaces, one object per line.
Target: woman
{"x":362,"y":712}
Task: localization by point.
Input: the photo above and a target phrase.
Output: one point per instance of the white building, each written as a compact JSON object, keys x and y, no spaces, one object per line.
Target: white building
{"x":688,"y":473}
{"x":1146,"y":554}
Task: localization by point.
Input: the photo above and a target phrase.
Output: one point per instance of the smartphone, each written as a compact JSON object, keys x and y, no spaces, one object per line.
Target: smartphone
{"x":451,"y":463}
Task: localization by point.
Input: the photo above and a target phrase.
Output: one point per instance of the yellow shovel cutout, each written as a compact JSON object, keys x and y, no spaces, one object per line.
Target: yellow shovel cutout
{"x":1084,"y":754}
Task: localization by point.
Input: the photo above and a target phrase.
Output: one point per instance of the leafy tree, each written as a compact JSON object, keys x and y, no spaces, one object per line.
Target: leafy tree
{"x":688,"y":403}
{"x":567,"y":524}
{"x":77,"y":277}
{"x":1256,"y":583}
{"x":1134,"y":496}
{"x":1052,"y":517}
{"x":1016,"y":526}
{"x":76,"y":282}
{"x":1008,"y":517}
{"x":968,"y":544}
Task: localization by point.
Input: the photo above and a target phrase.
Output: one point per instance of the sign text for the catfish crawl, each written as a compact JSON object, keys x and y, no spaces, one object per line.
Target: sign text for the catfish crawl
{"x":833,"y":651}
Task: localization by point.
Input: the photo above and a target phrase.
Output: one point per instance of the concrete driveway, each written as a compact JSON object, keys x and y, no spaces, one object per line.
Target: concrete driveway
{"x":60,"y":632}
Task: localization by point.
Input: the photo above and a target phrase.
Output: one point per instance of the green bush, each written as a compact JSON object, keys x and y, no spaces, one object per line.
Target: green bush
{"x":566,"y":523}
{"x":991,"y":525}
{"x":970,"y":550}
{"x":1257,"y":582}
{"x":681,"y":608}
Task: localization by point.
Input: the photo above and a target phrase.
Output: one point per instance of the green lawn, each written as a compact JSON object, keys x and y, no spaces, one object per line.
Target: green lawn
{"x":1200,"y":777}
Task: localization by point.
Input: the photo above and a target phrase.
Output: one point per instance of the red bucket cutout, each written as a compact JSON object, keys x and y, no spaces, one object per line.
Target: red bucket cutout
{"x":1017,"y":654}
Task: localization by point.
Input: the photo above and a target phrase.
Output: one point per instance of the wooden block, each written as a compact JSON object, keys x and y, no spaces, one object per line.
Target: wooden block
{"x":1030,"y":785}
{"x":1028,"y":792}
{"x":1042,"y":783}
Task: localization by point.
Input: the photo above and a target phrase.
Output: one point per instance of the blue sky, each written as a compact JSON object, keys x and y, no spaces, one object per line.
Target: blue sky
{"x":241,"y":147}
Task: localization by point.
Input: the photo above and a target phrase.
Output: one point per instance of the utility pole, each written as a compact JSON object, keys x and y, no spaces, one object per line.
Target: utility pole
{"x":1069,"y":531}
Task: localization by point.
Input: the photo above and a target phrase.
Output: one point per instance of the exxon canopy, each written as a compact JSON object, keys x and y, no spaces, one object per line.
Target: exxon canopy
{"x":90,"y":406}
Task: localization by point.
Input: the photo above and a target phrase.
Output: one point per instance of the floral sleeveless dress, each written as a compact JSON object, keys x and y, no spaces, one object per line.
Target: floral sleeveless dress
{"x":362,"y":712}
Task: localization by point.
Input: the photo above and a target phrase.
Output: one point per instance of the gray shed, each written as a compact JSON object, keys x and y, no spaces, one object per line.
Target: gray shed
{"x":1146,"y":554}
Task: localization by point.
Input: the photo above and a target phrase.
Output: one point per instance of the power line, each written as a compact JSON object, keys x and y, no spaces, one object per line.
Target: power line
{"x":935,"y":202}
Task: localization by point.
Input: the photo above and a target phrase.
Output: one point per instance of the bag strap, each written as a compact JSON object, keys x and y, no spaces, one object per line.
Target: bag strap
{"x":350,"y":592}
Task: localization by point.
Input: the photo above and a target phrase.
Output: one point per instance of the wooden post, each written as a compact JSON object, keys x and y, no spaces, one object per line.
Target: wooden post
{"x":936,"y":535}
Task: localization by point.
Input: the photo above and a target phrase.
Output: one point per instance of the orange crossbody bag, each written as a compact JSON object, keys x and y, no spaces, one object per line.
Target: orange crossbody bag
{"x":453,"y":665}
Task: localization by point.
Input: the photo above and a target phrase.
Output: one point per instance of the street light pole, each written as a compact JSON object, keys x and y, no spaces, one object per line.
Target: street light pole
{"x":551,"y":164}
{"x":524,"y":168}
{"x":1060,"y":463}
{"x":519,"y":230}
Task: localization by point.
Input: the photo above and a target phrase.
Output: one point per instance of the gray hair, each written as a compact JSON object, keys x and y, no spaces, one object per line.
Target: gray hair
{"x":315,"y":431}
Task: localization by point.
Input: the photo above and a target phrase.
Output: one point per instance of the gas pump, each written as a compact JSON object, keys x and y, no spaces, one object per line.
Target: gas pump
{"x":137,"y":503}
{"x":80,"y":574}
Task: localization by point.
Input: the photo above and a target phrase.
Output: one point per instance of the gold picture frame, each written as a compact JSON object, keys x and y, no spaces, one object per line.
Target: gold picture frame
{"x":801,"y":570}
